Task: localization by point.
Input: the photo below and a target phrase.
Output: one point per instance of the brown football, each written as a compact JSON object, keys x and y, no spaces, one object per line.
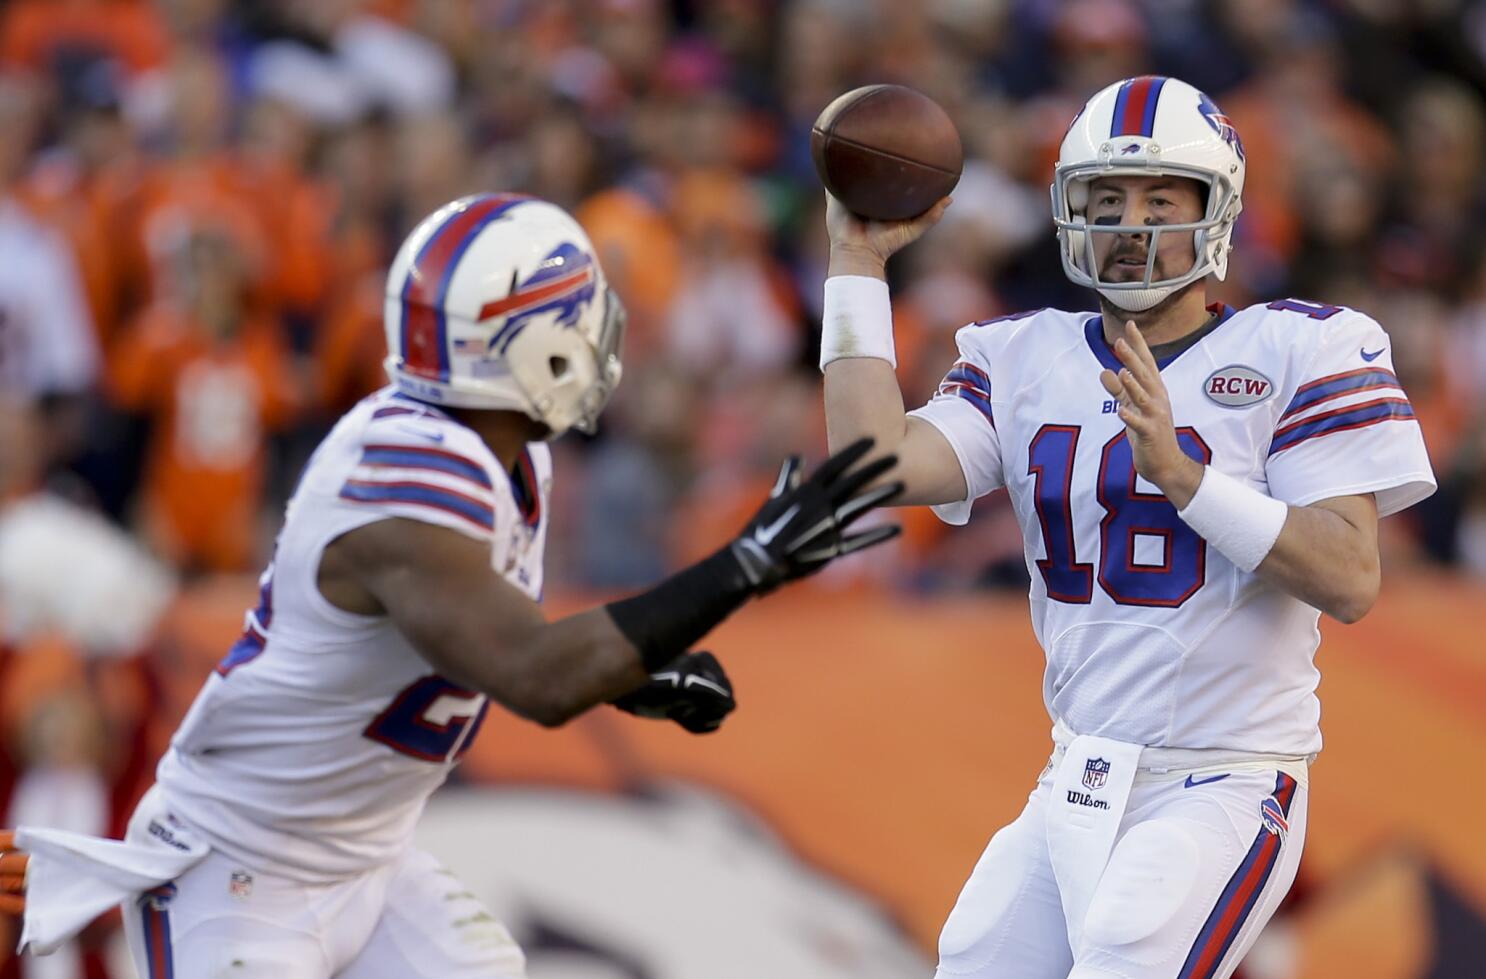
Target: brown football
{"x":886,"y":151}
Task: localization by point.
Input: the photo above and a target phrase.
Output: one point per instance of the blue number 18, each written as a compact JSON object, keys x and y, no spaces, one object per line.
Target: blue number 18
{"x":1128,"y":515}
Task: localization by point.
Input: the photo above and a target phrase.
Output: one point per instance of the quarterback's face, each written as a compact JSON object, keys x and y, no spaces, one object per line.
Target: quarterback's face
{"x":1143,"y":201}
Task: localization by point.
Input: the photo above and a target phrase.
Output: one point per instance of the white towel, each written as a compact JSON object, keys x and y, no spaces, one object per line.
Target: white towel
{"x":73,"y":878}
{"x":1090,"y":791}
{"x":60,"y":797}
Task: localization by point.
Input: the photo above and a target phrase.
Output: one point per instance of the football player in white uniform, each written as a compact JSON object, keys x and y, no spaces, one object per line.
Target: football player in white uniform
{"x":402,"y":597}
{"x":1194,"y":484}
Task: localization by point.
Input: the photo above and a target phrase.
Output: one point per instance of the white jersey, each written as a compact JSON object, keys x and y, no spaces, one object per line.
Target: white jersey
{"x":1151,"y":635}
{"x":314,"y":746}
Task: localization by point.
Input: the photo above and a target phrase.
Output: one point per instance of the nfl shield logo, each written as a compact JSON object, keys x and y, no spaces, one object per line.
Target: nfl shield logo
{"x":1096,"y":770}
{"x":241,"y":884}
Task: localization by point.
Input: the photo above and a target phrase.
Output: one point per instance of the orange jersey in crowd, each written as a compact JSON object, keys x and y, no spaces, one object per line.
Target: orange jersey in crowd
{"x":94,"y":213}
{"x":278,"y":219}
{"x":213,"y":402}
{"x":33,"y":31}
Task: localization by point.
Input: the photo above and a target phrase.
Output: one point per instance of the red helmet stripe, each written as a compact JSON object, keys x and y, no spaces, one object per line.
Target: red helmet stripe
{"x":536,"y":295}
{"x":1135,"y":106}
{"x":424,"y":338}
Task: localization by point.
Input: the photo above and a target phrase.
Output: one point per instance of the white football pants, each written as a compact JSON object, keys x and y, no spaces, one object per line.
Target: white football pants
{"x":409,"y":920}
{"x":1201,"y":860}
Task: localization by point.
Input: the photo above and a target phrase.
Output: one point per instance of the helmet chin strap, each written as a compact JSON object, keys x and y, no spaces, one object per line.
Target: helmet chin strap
{"x":1137,"y":300}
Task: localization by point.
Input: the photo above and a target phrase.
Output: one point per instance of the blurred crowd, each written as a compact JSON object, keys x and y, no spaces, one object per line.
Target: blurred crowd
{"x":201,"y":197}
{"x":198,"y":199}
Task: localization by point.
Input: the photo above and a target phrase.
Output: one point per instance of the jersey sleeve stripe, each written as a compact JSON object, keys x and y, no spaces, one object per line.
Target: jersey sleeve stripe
{"x":419,"y":457}
{"x":952,"y":389}
{"x":1342,"y":412}
{"x":428,"y":477}
{"x":1376,"y":384}
{"x":967,"y":381}
{"x":1336,"y":385}
{"x":422,"y":494}
{"x":1341,"y":420}
{"x":970,"y":375}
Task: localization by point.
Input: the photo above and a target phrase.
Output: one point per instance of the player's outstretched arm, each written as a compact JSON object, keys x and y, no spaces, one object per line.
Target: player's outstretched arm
{"x":861,"y":389}
{"x":474,"y":627}
{"x":480,"y":631}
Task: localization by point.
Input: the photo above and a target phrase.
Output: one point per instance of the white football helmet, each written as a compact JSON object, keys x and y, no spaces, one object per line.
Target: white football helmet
{"x":1147,"y":126}
{"x":497,"y":301}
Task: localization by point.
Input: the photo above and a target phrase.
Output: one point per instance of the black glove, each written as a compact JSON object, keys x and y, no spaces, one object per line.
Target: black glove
{"x":691,"y":690}
{"x":801,"y":526}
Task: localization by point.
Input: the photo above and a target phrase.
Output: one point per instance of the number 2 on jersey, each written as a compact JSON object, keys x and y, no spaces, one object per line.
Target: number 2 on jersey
{"x":1129,"y":515}
{"x":431,"y":720}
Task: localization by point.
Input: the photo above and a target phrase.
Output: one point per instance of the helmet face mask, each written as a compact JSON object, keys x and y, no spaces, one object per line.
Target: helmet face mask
{"x":573,"y":384}
{"x":608,"y":353}
{"x":498,"y":302}
{"x":1148,"y":127}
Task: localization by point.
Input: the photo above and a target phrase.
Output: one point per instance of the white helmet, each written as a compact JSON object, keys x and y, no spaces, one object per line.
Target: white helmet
{"x":1147,"y":126}
{"x":497,"y":301}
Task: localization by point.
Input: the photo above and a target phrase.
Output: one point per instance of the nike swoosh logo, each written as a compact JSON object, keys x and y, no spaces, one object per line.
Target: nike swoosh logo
{"x":1191,"y":783}
{"x":1370,"y":357}
{"x":766,"y":535}
{"x":423,"y":433}
{"x":701,"y":681}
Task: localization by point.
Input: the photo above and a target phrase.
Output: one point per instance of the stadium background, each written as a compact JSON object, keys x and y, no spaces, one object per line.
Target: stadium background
{"x":199,"y":197}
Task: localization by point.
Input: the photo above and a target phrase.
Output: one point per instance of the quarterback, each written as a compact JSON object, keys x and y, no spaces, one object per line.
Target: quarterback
{"x":1195,"y":484}
{"x":402,"y":598}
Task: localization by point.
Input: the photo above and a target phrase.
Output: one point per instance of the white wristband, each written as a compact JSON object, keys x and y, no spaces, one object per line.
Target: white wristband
{"x":858,"y":320}
{"x":1241,"y":522}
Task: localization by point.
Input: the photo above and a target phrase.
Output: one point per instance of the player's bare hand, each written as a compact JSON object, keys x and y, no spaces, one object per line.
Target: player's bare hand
{"x":862,"y":247}
{"x":12,"y":875}
{"x":1145,"y":409}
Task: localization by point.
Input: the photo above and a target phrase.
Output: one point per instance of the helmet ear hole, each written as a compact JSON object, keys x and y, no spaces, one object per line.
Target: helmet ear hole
{"x":558,"y":365}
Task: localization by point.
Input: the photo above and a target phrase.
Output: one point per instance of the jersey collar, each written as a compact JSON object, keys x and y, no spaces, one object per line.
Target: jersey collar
{"x":1094,"y":334}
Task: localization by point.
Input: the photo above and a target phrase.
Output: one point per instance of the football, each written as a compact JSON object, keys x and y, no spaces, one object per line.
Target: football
{"x":886,"y":151}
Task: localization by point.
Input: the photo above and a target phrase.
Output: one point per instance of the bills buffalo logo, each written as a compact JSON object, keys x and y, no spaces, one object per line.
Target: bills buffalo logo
{"x":1237,"y":386}
{"x":565,"y":283}
{"x":1131,"y":148}
{"x":1096,"y":770}
{"x":1221,"y":124}
{"x":1274,"y":818}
